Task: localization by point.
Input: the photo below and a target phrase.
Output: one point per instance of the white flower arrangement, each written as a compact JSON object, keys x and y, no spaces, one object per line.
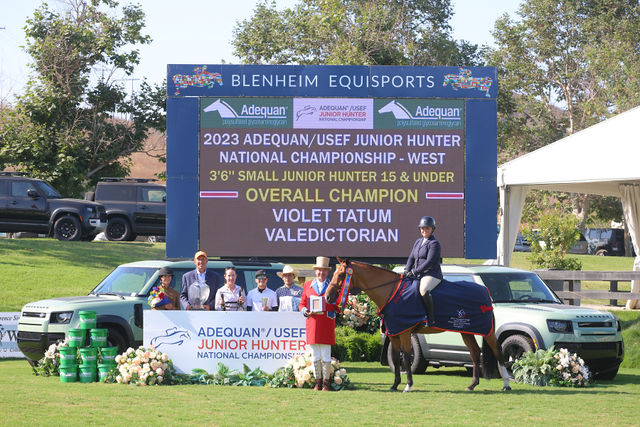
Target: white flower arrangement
{"x":299,"y":372}
{"x":144,"y":366}
{"x":552,"y":367}
{"x":359,"y":313}
{"x":50,"y":362}
{"x":571,"y":369}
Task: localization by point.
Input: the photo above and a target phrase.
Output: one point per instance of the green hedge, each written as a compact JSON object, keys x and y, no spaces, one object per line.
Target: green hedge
{"x":353,"y":346}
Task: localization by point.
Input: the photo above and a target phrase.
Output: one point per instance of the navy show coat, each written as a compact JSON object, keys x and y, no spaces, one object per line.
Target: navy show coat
{"x":424,"y":260}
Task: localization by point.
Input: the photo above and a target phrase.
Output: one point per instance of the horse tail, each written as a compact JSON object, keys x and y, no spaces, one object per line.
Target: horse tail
{"x":489,"y":363}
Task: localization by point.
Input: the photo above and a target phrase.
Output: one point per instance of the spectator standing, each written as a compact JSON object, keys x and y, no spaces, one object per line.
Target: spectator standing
{"x":288,"y":294}
{"x":163,"y":296}
{"x":200,"y":276}
{"x":261,"y":298}
{"x":230,"y":297}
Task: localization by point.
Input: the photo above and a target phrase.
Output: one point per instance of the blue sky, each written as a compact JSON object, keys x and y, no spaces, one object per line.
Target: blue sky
{"x":200,"y":31}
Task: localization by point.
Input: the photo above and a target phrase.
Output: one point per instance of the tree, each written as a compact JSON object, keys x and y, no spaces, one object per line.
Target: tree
{"x":353,"y":32}
{"x":564,"y":66}
{"x":69,"y":126}
{"x":551,"y":241}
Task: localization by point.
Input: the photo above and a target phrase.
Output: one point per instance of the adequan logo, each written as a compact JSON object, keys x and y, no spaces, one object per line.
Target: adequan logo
{"x":247,"y":111}
{"x":421,"y":112}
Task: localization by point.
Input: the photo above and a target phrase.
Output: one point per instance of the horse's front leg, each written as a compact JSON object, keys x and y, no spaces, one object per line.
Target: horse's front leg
{"x":474,"y":352}
{"x":492,"y":341}
{"x":395,"y":358}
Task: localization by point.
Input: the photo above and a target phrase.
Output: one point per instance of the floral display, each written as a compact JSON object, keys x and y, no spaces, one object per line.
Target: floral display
{"x":50,"y":362}
{"x":157,"y":297}
{"x":552,"y":367}
{"x":144,"y":366}
{"x":299,"y":372}
{"x":359,"y":313}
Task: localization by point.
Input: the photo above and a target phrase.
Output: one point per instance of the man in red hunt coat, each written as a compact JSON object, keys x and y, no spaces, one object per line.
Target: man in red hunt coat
{"x":321,"y":322}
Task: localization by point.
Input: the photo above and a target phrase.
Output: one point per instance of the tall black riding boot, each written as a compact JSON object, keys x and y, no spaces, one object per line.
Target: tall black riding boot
{"x":428,"y":304}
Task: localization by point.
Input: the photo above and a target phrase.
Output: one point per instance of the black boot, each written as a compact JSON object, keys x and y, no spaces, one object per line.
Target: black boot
{"x":427,"y":299}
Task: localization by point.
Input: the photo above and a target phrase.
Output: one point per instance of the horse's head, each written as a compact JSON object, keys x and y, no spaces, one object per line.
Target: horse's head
{"x":337,"y":281}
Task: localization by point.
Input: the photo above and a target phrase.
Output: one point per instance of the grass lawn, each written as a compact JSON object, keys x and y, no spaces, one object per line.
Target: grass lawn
{"x":35,"y":269}
{"x":439,"y":398}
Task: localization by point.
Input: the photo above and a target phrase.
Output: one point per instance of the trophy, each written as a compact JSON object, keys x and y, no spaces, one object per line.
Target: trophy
{"x":316,"y":304}
{"x":198,"y":294}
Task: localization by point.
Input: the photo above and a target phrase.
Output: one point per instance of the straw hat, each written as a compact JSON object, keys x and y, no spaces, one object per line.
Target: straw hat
{"x":322,"y":262}
{"x":287,"y":269}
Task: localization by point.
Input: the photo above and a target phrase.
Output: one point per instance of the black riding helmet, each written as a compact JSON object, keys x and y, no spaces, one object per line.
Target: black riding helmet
{"x":427,"y":221}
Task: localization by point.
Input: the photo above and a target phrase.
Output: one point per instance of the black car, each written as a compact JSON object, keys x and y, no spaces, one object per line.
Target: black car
{"x":605,"y":241}
{"x":32,"y":205}
{"x":135,"y":207}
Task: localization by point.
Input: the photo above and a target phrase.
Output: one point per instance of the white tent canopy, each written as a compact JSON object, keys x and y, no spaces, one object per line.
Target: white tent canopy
{"x":603,"y":159}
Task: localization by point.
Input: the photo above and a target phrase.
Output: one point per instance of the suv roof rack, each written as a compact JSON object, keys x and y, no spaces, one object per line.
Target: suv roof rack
{"x":116,"y":179}
{"x":10,"y":173}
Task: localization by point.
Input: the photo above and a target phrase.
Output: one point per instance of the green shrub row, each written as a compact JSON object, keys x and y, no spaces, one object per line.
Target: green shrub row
{"x":353,"y":346}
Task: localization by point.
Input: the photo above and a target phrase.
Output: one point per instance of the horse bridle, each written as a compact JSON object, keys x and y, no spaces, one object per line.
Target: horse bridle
{"x":374,"y":287}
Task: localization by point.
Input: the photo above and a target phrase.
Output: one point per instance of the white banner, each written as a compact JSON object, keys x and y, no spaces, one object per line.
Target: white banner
{"x":9,"y":334}
{"x":201,"y":339}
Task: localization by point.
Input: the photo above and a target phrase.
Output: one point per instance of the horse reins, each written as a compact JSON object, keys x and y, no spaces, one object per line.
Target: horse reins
{"x":347,"y":283}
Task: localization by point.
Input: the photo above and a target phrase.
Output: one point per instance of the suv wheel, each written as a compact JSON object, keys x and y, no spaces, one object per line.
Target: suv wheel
{"x":67,"y":228}
{"x":514,"y":347}
{"x":118,"y":229}
{"x":601,"y":252}
{"x":115,"y":339}
{"x":418,"y":363}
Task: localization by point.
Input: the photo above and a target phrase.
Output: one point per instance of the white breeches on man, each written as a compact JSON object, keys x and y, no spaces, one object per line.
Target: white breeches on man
{"x":321,"y":356}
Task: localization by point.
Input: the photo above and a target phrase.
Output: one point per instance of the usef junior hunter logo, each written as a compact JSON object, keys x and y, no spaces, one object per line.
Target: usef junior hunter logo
{"x":245,"y":112}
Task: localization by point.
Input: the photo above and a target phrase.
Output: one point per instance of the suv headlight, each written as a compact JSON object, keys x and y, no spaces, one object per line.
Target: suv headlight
{"x":61,"y":317}
{"x":560,"y":326}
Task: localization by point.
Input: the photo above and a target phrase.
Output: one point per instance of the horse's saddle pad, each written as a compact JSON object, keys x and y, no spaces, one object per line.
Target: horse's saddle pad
{"x":459,"y":306}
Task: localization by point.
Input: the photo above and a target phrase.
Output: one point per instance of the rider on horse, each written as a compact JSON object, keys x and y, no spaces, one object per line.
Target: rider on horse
{"x":424,"y":263}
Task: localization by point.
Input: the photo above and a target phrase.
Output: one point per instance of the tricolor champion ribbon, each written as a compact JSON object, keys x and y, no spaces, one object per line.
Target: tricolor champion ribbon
{"x":345,"y":288}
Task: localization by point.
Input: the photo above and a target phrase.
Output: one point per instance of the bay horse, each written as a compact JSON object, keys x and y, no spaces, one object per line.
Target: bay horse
{"x":379,"y":284}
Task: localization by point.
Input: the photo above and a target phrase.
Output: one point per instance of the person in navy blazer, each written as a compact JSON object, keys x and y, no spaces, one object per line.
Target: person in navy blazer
{"x":424,"y":262}
{"x":211,"y":278}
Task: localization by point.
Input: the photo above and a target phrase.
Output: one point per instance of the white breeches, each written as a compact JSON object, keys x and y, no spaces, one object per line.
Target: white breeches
{"x":320,"y":352}
{"x":428,"y":283}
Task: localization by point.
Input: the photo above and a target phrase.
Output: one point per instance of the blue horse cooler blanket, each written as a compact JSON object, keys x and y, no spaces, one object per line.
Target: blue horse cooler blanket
{"x":458,"y":306}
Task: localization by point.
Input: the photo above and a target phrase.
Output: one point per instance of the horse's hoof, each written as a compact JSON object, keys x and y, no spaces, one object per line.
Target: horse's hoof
{"x":406,"y":389}
{"x":506,"y":388}
{"x":470,"y":388}
{"x":393,"y":389}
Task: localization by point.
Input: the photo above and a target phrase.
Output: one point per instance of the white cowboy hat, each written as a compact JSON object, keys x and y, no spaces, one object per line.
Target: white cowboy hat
{"x":286,"y":270}
{"x":322,"y":262}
